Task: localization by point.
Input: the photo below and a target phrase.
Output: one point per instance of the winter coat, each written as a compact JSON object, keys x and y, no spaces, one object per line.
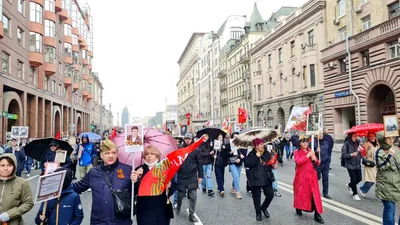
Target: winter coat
{"x":353,"y":163}
{"x":190,"y":171}
{"x":205,"y":150}
{"x":151,"y":209}
{"x":70,"y":209}
{"x":295,"y":141}
{"x":325,"y":154}
{"x":49,"y":156}
{"x":103,"y":212}
{"x":328,"y":138}
{"x":258,"y":174}
{"x":223,"y":155}
{"x":370,"y":172}
{"x":388,"y":176}
{"x":20,"y":156}
{"x":16,"y":196}
{"x":305,"y":184}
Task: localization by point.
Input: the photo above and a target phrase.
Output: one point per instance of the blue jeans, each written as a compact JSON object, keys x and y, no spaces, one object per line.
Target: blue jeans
{"x":176,"y":197}
{"x":366,"y":186}
{"x":389,"y":212}
{"x":288,"y":152}
{"x":207,"y":177}
{"x":235,"y":170}
{"x":275,"y":183}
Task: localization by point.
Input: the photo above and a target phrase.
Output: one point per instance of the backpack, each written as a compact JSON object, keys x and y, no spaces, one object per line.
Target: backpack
{"x":343,"y":160}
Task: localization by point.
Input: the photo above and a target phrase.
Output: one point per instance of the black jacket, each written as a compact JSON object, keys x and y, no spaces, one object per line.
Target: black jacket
{"x":257,"y":174}
{"x":241,"y":151}
{"x":190,"y":170}
{"x":205,"y":150}
{"x":223,"y":155}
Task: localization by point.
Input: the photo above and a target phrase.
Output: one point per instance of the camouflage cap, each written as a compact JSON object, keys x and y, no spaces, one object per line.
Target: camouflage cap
{"x":107,"y":145}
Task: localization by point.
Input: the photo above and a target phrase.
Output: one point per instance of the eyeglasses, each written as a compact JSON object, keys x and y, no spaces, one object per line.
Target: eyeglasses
{"x":52,"y":145}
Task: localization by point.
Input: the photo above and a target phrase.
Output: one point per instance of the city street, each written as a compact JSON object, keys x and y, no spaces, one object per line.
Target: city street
{"x":342,"y":209}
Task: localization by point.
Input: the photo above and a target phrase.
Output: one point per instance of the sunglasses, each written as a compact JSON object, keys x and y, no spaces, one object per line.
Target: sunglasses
{"x":53,"y":145}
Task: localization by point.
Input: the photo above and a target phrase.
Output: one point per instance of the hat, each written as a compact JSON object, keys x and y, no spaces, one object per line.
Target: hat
{"x":303,"y":139}
{"x":14,"y":139}
{"x":381,"y":140}
{"x":257,"y":141}
{"x":188,"y":136}
{"x":107,"y":145}
{"x":53,"y":143}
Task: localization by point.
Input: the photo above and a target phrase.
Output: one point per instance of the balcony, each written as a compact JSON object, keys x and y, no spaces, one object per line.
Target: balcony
{"x":63,"y":15}
{"x":80,"y":38}
{"x":82,"y":44}
{"x":222,"y":87}
{"x":85,"y":77}
{"x":50,"y":16}
{"x":85,"y":93}
{"x":90,"y":96}
{"x":67,"y":81}
{"x":90,"y":53}
{"x":49,"y":68}
{"x":1,"y":30}
{"x":222,"y":73}
{"x":58,"y":5}
{"x":244,"y":59}
{"x":76,"y":86}
{"x":68,"y":39}
{"x":90,"y":66}
{"x":75,"y":31}
{"x":36,"y":27}
{"x":35,"y":59}
{"x":85,"y":62}
{"x":49,"y":41}
{"x":246,"y":74}
{"x":90,"y":81}
{"x":258,"y":73}
{"x":68,"y":21}
{"x":224,"y":101}
{"x":75,"y":48}
{"x":246,"y":94}
{"x":381,"y":33}
{"x":68,"y":59}
{"x":77,"y":66}
{"x":309,"y":48}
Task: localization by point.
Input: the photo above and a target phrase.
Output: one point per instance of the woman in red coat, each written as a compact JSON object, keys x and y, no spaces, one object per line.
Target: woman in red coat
{"x":305,"y":185}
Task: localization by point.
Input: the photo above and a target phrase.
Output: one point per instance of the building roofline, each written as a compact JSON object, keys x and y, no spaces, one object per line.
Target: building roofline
{"x":188,"y":44}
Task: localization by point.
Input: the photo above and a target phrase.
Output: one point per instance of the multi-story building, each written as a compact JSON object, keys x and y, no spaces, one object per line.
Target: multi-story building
{"x":189,"y":65}
{"x":47,"y":50}
{"x":107,"y":123}
{"x":124,"y":116}
{"x":230,"y":31}
{"x":361,"y":88}
{"x":286,"y":68}
{"x":97,"y":103}
{"x":215,"y":92}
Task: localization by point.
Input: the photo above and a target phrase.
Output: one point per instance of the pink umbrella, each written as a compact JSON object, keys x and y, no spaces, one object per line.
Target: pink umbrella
{"x":164,"y":143}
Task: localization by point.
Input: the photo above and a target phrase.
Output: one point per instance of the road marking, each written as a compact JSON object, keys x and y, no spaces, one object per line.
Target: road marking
{"x":195,"y":215}
{"x":331,"y":174}
{"x":30,"y":178}
{"x":333,"y":205}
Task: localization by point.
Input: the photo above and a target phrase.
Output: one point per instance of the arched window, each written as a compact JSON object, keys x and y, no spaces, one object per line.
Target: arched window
{"x":270,"y":119}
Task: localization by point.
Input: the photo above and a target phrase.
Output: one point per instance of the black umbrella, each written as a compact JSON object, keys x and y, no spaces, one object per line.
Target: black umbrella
{"x":212,"y":133}
{"x":36,"y":148}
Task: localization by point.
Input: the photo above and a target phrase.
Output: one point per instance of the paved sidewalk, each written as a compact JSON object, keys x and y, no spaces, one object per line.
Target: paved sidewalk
{"x":337,"y":147}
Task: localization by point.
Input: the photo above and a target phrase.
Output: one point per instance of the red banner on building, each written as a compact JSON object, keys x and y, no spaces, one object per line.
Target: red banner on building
{"x":188,"y":118}
{"x":242,"y":115}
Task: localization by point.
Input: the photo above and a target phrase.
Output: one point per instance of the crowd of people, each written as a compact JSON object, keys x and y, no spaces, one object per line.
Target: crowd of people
{"x":103,"y":174}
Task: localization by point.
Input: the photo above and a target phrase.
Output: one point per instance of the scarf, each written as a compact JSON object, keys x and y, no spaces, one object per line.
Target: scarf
{"x":151,"y":165}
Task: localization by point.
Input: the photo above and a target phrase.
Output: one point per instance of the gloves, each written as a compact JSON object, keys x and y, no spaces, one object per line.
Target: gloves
{"x":4,"y":217}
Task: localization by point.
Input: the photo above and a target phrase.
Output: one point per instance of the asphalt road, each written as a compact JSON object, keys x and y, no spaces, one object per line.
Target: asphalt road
{"x":342,"y":209}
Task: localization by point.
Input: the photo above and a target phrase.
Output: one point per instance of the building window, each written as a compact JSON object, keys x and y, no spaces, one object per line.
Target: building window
{"x":74,"y":15}
{"x":5,"y":63}
{"x":293,"y":74}
{"x":21,"y":6}
{"x":342,"y":8}
{"x":36,"y":12}
{"x":281,"y":83}
{"x":259,"y":65}
{"x":67,"y":49}
{"x":60,"y":46}
{"x":84,"y":54}
{"x":342,"y":63}
{"x":366,"y":23}
{"x":236,"y":35}
{"x":342,"y":33}
{"x":49,"y":54}
{"x":312,"y":75}
{"x":269,"y":61}
{"x":75,"y":56}
{"x":60,"y":67}
{"x":46,"y":83}
{"x":67,"y":30}
{"x":270,"y":118}
{"x":259,"y":92}
{"x":20,"y":69}
{"x":292,"y":48}
{"x":67,"y":70}
{"x":280,"y":55}
{"x":53,"y":86}
{"x":60,"y":89}
{"x":50,"y":28}
{"x":20,"y":36}
{"x":49,"y":5}
{"x":65,"y":92}
{"x":394,"y":49}
{"x":311,"y":37}
{"x":365,"y":57}
{"x":394,"y":10}
{"x":6,"y":25}
{"x":75,"y":39}
{"x":35,"y":42}
{"x":305,"y":76}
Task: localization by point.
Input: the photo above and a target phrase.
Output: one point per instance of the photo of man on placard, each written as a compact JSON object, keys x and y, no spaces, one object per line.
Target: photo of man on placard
{"x":313,"y":123}
{"x":134,"y":138}
{"x":391,"y":126}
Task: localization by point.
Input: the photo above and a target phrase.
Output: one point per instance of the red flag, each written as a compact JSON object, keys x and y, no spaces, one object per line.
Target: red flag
{"x":58,"y":135}
{"x":273,"y":160}
{"x":242,"y":115}
{"x":155,"y":181}
{"x":188,"y":118}
{"x":113,"y":133}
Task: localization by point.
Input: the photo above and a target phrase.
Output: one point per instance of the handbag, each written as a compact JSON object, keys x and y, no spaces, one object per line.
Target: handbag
{"x":232,"y":159}
{"x":122,"y":199}
{"x":368,"y":163}
{"x":169,"y":211}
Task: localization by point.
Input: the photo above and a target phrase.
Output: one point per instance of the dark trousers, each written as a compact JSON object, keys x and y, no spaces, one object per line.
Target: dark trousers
{"x":256,"y":193}
{"x":355,"y":178}
{"x":73,"y":168}
{"x":323,"y":170}
{"x":219,"y":175}
{"x":280,"y":155}
{"x":192,"y":195}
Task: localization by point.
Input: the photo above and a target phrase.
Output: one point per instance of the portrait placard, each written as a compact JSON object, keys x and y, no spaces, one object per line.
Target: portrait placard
{"x":313,"y":124}
{"x":49,"y":186}
{"x":391,"y":125}
{"x":134,"y":138}
{"x":61,"y":156}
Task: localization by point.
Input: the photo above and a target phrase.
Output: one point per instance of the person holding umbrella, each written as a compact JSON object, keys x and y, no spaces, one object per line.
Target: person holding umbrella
{"x":260,"y":177}
{"x":50,"y":155}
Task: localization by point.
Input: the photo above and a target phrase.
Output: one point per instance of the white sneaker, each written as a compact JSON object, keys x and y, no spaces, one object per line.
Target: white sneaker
{"x":356,"y":197}
{"x":28,"y":175}
{"x":233,"y":191}
{"x":349,"y":188}
{"x":360,"y":192}
{"x":277,"y":194}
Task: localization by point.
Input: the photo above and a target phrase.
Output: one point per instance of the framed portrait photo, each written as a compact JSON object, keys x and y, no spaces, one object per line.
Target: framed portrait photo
{"x":313,"y":124}
{"x":391,"y":125}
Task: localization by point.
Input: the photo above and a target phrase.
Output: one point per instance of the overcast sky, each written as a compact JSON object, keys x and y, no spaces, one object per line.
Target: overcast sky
{"x":137,"y":44}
